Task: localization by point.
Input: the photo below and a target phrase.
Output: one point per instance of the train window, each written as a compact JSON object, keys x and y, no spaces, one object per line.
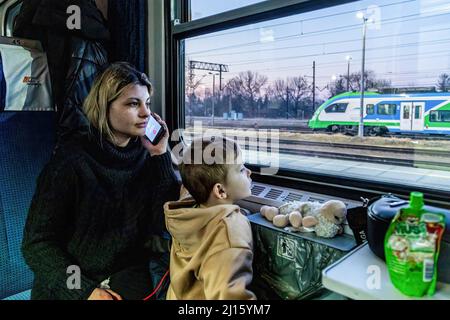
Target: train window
{"x":295,"y":69}
{"x":406,"y":112}
{"x":387,"y":109}
{"x":337,"y":107}
{"x":418,"y":112}
{"x":370,"y":109}
{"x":205,"y":8}
{"x":440,"y":116}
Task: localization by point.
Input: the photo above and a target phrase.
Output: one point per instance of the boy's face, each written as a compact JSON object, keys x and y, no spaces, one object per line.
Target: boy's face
{"x":238,"y":183}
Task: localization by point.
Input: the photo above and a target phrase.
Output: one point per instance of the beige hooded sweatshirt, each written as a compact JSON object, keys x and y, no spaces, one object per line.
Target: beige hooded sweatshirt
{"x":211,"y":256}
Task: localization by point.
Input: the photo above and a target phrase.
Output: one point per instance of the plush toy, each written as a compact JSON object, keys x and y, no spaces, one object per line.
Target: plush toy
{"x":325,"y":219}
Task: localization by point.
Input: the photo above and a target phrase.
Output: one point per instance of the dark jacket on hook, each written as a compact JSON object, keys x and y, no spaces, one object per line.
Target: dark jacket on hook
{"x":75,"y":57}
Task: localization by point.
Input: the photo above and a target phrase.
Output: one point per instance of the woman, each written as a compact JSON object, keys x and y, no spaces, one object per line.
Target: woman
{"x":98,"y":206}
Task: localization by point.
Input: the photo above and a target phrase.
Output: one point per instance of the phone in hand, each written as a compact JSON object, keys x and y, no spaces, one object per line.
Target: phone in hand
{"x":154,"y":131}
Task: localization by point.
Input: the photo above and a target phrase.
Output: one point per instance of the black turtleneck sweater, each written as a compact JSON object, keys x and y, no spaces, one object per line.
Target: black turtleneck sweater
{"x":99,"y":207}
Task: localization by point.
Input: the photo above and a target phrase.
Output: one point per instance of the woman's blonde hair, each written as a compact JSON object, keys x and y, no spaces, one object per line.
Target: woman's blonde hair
{"x":106,"y":89}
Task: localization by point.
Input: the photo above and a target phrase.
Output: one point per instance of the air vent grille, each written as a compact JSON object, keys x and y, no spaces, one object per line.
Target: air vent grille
{"x":312,"y":199}
{"x":293,"y":197}
{"x":274,"y":194}
{"x":256,"y":190}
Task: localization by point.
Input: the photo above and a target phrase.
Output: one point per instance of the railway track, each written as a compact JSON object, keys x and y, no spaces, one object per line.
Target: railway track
{"x":306,"y":130}
{"x":366,"y":158}
{"x":400,"y":150}
{"x":399,"y":156}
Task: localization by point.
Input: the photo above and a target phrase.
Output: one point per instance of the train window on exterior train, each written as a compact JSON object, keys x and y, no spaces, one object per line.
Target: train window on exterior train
{"x":299,"y":75}
{"x":440,"y":116}
{"x":418,"y":112}
{"x":337,"y":107}
{"x":406,"y":112}
{"x":387,"y":109}
{"x":205,"y":8}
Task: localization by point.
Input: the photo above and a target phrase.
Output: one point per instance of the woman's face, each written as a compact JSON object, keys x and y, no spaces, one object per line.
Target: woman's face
{"x":129,"y":113}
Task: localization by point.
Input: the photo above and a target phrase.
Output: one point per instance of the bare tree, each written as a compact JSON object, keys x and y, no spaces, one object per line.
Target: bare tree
{"x":290,"y":94}
{"x":443,"y":82}
{"x":281,"y":93}
{"x":300,"y":90}
{"x":338,"y":86}
{"x":370,"y":82}
{"x":279,"y":89}
{"x":191,"y":84}
{"x":234,"y":87}
{"x":247,"y":88}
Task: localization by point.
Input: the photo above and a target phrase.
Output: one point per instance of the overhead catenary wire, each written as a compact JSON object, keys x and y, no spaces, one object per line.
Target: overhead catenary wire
{"x":392,"y":59}
{"x":403,"y":45}
{"x":372,"y":61}
{"x":324,"y":31}
{"x":302,"y":20}
{"x":322,"y":43}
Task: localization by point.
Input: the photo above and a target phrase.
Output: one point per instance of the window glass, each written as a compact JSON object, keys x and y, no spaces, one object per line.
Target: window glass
{"x":289,"y":74}
{"x":418,"y":112}
{"x":337,"y":107}
{"x":433,"y":116}
{"x":406,"y":112}
{"x":387,"y":109}
{"x":440,"y":116}
{"x":205,"y":8}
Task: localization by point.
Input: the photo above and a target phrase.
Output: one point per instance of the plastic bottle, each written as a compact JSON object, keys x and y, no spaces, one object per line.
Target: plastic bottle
{"x":412,"y":247}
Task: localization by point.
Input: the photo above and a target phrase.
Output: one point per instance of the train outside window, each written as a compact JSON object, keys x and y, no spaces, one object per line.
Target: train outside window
{"x":387,"y":109}
{"x":338,"y":107}
{"x":301,"y":74}
{"x":440,"y":116}
{"x":292,"y":87}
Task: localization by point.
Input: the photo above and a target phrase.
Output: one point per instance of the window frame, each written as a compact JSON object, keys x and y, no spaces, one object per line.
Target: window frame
{"x":180,"y":28}
{"x":437,"y":112}
{"x":387,"y":114}
{"x":372,"y":107}
{"x":418,"y":115}
{"x":335,"y":104}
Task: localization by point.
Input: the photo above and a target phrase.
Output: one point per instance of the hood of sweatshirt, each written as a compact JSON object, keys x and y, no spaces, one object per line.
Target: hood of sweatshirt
{"x":189,"y":224}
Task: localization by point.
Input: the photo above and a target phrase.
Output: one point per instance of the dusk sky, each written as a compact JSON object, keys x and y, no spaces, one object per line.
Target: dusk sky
{"x":409,"y":43}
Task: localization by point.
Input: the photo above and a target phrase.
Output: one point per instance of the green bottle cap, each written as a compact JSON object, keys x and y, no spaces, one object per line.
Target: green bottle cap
{"x":416,"y":200}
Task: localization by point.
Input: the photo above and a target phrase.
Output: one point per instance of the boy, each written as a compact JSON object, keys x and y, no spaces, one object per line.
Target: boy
{"x":211,"y":255}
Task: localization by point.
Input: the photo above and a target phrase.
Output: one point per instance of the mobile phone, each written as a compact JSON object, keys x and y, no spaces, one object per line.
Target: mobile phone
{"x":154,"y":131}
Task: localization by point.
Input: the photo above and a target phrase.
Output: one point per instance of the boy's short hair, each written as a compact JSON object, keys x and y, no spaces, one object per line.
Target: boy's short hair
{"x":206,"y":162}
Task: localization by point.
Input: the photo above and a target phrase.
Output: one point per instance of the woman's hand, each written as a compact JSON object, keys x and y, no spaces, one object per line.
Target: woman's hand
{"x":104,"y":294}
{"x":161,"y":147}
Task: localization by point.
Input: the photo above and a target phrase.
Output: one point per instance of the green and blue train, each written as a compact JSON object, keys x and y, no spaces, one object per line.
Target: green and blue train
{"x":424,"y":113}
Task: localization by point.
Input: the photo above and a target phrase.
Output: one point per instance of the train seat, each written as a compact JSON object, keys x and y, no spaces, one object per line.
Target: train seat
{"x":27,"y":139}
